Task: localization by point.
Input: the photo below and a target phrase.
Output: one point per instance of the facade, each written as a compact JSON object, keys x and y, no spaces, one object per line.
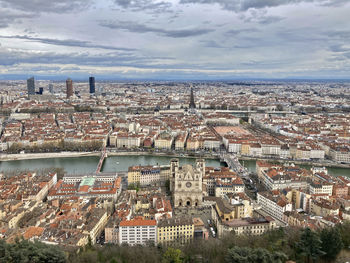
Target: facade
{"x":274,"y":204}
{"x":187,"y":184}
{"x":228,"y":185}
{"x":31,"y":86}
{"x":147,"y":175}
{"x":92,"y":84}
{"x":137,"y":231}
{"x":277,"y":178}
{"x":127,"y":141}
{"x":323,"y":207}
{"x":340,"y":154}
{"x":112,"y":235}
{"x":321,"y":188}
{"x":69,"y":86}
{"x":175,"y":230}
{"x":226,"y":211}
{"x":164,"y":141}
{"x":97,"y":222}
{"x":225,"y":222}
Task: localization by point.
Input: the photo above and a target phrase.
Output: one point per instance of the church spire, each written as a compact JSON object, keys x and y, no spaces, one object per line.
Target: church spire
{"x":192,"y":104}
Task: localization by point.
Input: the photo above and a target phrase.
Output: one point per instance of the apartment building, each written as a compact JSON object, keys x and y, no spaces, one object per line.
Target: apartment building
{"x":163,"y":141}
{"x":320,"y":187}
{"x":274,"y":203}
{"x":179,"y":230}
{"x":278,"y":177}
{"x":137,"y":231}
{"x":148,"y":175}
{"x":323,"y":207}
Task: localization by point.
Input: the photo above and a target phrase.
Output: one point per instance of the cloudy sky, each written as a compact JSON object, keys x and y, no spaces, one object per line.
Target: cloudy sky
{"x":175,"y":39}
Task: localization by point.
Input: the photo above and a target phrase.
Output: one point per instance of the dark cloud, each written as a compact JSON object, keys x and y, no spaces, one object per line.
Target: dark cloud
{"x":244,"y":5}
{"x":7,"y":18}
{"x":66,"y":42}
{"x":144,"y":5}
{"x":334,"y":3}
{"x":339,"y":48}
{"x":339,"y":34}
{"x":211,"y":44}
{"x":143,"y":28}
{"x":38,"y":6}
{"x":269,"y":19}
{"x":235,"y":32}
{"x":15,"y":57}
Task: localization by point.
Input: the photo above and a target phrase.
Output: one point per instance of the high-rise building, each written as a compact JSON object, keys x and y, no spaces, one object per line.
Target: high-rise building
{"x":92,"y":84}
{"x":192,"y":104}
{"x":69,"y":84}
{"x":41,"y":90}
{"x":31,"y":86}
{"x":50,"y":88}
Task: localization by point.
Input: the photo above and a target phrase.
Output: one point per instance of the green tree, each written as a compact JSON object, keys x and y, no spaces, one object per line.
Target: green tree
{"x":172,"y":255}
{"x":249,"y":255}
{"x":344,"y":230}
{"x":332,"y":243}
{"x":23,"y":251}
{"x":310,"y":245}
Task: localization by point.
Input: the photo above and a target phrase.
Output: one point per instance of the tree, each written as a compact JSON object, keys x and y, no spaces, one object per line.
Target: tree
{"x":279,"y":107}
{"x":34,"y":252}
{"x":332,"y":243}
{"x":172,"y":255}
{"x":249,"y":255}
{"x":310,"y":245}
{"x":344,"y":230}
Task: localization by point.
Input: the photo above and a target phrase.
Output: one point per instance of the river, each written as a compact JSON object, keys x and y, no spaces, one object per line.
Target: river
{"x":88,"y":164}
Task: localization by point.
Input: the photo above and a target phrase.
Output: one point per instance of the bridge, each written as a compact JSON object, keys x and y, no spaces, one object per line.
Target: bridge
{"x":102,"y":159}
{"x":233,"y":163}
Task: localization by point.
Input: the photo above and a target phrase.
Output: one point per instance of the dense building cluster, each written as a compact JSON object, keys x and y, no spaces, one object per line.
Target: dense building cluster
{"x":300,"y":197}
{"x":163,"y":204}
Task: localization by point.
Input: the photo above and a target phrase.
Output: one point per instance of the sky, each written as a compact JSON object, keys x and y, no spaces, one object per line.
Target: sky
{"x":175,"y":39}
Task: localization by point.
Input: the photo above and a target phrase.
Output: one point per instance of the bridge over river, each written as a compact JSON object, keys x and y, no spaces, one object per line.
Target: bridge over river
{"x":233,"y":163}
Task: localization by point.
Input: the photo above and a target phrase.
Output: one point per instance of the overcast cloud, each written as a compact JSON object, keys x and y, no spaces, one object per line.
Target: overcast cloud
{"x":175,"y":39}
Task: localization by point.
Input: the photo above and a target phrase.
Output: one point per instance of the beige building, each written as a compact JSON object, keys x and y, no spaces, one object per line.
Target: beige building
{"x":225,"y":223}
{"x":175,"y":230}
{"x":148,"y":175}
{"x":163,"y":141}
{"x":194,"y":144}
{"x":97,"y":224}
{"x":323,"y":207}
{"x":320,"y":187}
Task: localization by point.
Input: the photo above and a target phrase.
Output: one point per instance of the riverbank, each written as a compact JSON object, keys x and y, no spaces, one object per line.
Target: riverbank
{"x":29,"y":156}
{"x":175,"y":155}
{"x":311,"y":163}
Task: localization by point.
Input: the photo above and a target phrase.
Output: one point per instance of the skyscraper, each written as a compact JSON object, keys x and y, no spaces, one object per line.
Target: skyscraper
{"x":92,"y":84}
{"x":50,"y":88}
{"x":31,"y":86}
{"x":69,"y":84}
{"x":192,"y":104}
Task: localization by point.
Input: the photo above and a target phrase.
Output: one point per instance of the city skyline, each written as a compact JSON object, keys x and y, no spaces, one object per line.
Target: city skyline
{"x":175,"y":40}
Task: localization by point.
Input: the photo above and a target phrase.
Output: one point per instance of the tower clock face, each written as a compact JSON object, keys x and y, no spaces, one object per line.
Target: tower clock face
{"x":188,"y":184}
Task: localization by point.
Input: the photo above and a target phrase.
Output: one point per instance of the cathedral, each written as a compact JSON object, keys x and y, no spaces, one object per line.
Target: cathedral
{"x":186,"y":183}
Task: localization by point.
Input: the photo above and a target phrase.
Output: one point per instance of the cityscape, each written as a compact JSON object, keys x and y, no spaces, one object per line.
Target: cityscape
{"x":170,"y":136}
